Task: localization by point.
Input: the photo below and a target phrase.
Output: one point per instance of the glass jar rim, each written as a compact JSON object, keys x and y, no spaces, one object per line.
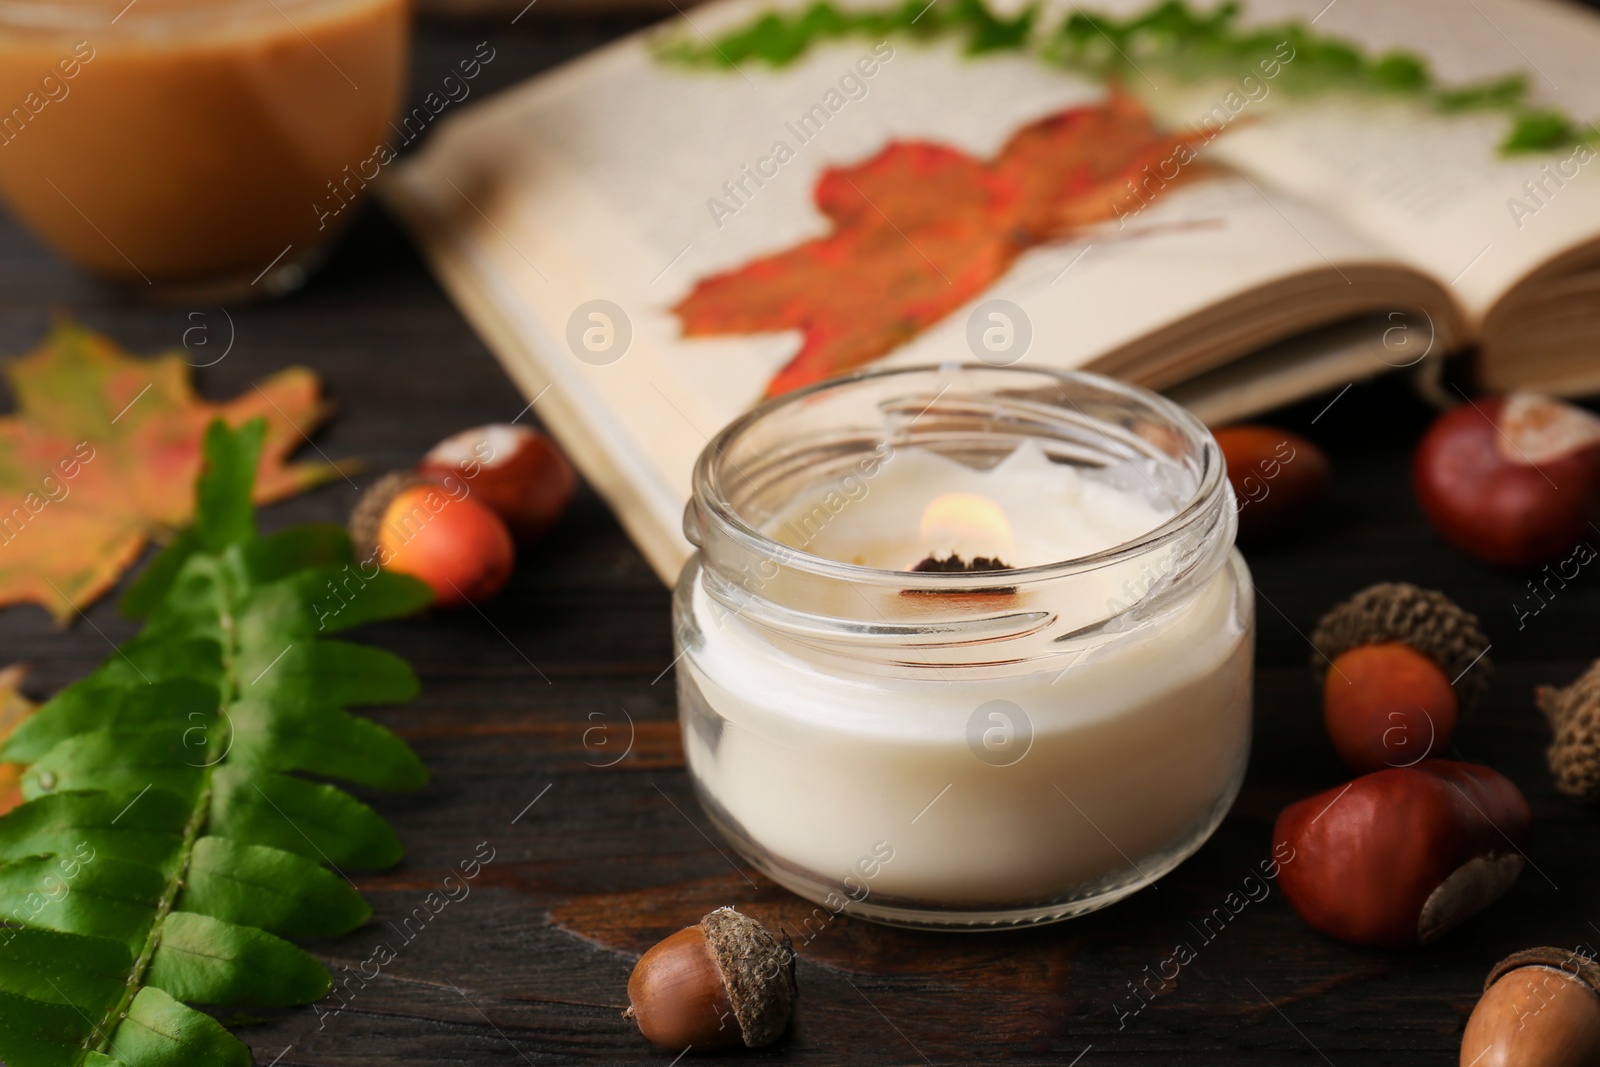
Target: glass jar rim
{"x":710,"y":497}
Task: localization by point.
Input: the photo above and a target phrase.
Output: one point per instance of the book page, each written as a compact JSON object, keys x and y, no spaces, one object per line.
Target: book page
{"x":1433,"y":187}
{"x":581,"y":209}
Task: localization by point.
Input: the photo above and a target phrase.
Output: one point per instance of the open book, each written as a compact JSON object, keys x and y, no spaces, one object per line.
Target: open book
{"x":652,"y":246}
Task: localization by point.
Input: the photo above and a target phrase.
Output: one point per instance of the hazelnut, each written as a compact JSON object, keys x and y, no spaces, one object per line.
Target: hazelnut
{"x":1574,"y":753}
{"x":1540,"y":1008}
{"x":1396,"y":663}
{"x":1401,"y":856}
{"x":414,"y":526}
{"x":516,"y":472}
{"x":712,"y":985}
{"x":1513,"y":480}
{"x":1276,"y":476}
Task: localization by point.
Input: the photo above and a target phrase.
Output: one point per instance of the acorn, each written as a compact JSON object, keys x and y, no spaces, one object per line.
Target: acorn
{"x":1540,"y":1008}
{"x":1396,"y":664}
{"x":1574,"y":715}
{"x":433,"y":531}
{"x":715,"y":984}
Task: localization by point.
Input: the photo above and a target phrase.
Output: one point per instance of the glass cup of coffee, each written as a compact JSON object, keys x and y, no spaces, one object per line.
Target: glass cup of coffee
{"x":196,"y":148}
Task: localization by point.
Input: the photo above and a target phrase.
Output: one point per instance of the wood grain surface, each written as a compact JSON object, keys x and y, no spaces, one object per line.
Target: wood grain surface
{"x":528,"y":701}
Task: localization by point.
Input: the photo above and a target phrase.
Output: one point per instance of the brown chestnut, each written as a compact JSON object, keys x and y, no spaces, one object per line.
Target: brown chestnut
{"x":1401,"y":856}
{"x":1276,"y":476}
{"x":515,"y":471}
{"x":1540,"y":1008}
{"x":1513,"y":480}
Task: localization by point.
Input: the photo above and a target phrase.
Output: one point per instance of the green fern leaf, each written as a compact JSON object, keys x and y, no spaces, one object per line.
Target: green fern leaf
{"x":277,"y":891}
{"x":180,"y":819}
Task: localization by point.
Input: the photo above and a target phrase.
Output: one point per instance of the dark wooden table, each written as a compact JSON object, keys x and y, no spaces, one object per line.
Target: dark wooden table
{"x":528,"y":700}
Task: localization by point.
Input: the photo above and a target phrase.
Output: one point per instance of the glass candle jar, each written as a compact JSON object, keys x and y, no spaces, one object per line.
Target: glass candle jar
{"x":964,"y":748}
{"x":196,"y":149}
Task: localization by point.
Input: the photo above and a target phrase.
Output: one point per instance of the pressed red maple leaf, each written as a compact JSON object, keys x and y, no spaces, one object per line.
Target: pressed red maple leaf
{"x":102,"y":455}
{"x":920,"y":229}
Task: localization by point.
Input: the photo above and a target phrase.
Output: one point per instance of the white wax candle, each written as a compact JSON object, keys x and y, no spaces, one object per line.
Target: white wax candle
{"x":1137,"y":742}
{"x":1026,"y":510}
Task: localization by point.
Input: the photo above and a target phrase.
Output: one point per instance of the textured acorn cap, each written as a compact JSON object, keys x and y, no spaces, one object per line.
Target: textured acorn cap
{"x":367,"y":516}
{"x":1578,"y":968}
{"x":758,"y":972}
{"x":1425,"y":619}
{"x":1574,"y":754}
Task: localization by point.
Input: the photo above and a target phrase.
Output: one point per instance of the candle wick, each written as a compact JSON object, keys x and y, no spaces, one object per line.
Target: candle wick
{"x":954,"y":564}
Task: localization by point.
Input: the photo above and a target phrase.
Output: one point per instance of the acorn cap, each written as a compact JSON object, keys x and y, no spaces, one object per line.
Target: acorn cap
{"x":1579,"y":968}
{"x":757,"y":971}
{"x":1574,"y":753}
{"x":1425,"y":619}
{"x":367,"y":516}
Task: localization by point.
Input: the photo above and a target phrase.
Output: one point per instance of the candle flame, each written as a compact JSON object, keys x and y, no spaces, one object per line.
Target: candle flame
{"x":967,"y":524}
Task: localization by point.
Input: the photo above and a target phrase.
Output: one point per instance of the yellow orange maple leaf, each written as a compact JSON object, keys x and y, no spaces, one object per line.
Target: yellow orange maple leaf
{"x":101,"y":456}
{"x":14,"y":709}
